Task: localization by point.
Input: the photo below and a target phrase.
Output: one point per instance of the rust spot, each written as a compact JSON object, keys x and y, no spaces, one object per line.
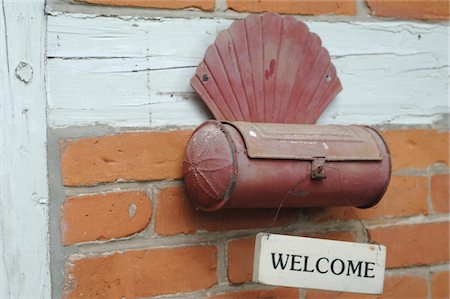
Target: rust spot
{"x":268,"y":73}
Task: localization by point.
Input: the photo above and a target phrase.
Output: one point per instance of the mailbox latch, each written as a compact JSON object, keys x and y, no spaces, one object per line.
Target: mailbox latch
{"x":318,"y":168}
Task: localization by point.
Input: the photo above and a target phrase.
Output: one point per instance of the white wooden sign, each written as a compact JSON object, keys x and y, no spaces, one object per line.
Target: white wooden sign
{"x":319,"y":264}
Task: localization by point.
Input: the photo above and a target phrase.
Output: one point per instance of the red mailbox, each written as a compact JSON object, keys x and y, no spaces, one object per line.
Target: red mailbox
{"x":248,"y":165}
{"x":267,"y":79}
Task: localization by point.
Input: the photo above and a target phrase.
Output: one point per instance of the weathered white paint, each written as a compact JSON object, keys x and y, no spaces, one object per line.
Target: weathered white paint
{"x":24,"y":256}
{"x":123,"y":90}
{"x":319,"y":264}
{"x":135,"y":72}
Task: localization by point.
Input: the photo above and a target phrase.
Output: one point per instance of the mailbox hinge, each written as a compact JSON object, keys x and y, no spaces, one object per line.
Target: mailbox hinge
{"x":318,"y":168}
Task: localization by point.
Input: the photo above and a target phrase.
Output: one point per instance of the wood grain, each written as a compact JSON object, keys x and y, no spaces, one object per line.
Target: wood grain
{"x":24,"y":240}
{"x":136,"y":72}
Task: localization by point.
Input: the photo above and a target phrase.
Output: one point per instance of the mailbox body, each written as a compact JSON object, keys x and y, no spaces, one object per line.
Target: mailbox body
{"x":251,"y":165}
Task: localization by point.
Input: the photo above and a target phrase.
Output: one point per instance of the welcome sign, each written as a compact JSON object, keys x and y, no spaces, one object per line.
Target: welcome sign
{"x":319,"y":264}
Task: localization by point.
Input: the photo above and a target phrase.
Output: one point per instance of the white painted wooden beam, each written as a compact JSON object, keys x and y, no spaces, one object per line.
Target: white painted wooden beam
{"x":136,"y":72}
{"x":24,"y":247}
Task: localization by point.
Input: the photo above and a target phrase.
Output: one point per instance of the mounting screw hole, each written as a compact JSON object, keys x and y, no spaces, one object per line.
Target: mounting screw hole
{"x":205,"y":77}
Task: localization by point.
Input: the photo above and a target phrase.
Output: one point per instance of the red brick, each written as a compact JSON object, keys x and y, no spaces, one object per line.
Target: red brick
{"x":175,"y":214}
{"x":398,"y":287}
{"x":415,"y":244}
{"x":240,"y":260}
{"x":410,"y":9}
{"x":440,"y":193}
{"x":241,"y":251}
{"x":104,"y":216}
{"x":440,"y":284}
{"x":405,"y":196}
{"x":207,"y":5}
{"x":417,"y":148}
{"x":130,"y":156}
{"x":302,"y":7}
{"x":143,"y":273}
{"x":278,"y":293}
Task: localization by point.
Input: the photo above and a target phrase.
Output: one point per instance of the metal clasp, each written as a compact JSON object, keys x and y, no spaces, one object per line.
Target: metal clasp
{"x":318,"y":168}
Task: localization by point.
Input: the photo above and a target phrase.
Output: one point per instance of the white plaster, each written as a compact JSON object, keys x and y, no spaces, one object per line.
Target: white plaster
{"x":24,"y":247}
{"x":136,"y":72}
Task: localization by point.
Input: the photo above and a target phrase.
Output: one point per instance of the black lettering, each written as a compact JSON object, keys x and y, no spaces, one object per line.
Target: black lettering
{"x":317,"y":265}
{"x":342,"y":267}
{"x":367,"y":269}
{"x":352,"y":268}
{"x":293,"y":262}
{"x":279,"y":261}
{"x":306,"y":265}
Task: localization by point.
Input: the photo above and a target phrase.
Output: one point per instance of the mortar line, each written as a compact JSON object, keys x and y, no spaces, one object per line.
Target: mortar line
{"x":428,"y":284}
{"x":222,"y":264}
{"x":419,"y":270}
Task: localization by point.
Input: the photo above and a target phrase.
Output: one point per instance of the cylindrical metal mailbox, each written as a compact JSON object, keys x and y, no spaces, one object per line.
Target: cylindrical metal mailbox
{"x":249,"y":165}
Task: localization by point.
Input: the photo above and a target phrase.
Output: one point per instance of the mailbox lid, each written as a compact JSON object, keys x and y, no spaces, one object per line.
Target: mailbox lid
{"x":306,"y":142}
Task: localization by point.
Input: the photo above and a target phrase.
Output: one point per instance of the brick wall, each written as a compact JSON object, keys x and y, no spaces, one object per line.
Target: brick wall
{"x":127,"y":229}
{"x":164,"y":246}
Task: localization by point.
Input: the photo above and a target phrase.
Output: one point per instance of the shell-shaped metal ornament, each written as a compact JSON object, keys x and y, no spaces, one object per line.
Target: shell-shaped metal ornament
{"x":267,"y":68}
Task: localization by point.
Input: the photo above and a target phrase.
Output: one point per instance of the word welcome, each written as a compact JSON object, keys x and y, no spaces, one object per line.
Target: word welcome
{"x":322,"y":265}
